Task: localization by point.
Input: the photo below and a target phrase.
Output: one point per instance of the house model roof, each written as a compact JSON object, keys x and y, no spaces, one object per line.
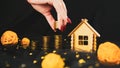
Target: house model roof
{"x":89,"y":26}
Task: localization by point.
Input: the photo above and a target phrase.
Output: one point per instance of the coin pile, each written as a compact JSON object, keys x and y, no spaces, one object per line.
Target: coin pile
{"x":45,"y":42}
{"x":52,"y":42}
{"x":57,"y":41}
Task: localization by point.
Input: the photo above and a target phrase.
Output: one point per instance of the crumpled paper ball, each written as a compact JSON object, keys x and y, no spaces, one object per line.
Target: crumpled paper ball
{"x":52,"y":60}
{"x":25,"y":42}
{"x":108,"y":53}
{"x":9,"y":38}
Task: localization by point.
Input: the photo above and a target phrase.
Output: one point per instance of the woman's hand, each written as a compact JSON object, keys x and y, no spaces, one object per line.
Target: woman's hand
{"x":45,"y":6}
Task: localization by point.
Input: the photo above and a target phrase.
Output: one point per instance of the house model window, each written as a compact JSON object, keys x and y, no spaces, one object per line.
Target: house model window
{"x":83,"y":40}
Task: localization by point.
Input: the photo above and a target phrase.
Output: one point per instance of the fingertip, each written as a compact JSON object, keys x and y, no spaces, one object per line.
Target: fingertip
{"x":63,"y":28}
{"x":69,"y":21}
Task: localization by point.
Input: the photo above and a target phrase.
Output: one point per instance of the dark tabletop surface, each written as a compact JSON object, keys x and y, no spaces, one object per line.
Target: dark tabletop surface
{"x":17,"y":57}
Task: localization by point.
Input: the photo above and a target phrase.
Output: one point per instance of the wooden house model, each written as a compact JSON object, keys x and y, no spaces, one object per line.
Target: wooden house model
{"x":83,"y":37}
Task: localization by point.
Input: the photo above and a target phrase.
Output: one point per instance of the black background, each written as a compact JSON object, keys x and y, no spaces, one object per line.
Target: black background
{"x":19,"y":16}
{"x":104,"y":16}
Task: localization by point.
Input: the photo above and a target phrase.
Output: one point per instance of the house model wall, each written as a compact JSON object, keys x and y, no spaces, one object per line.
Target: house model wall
{"x":83,"y":37}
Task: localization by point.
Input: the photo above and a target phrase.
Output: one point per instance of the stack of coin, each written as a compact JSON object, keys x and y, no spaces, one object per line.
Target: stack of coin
{"x":33,"y":45}
{"x":46,"y":42}
{"x":57,"y":41}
